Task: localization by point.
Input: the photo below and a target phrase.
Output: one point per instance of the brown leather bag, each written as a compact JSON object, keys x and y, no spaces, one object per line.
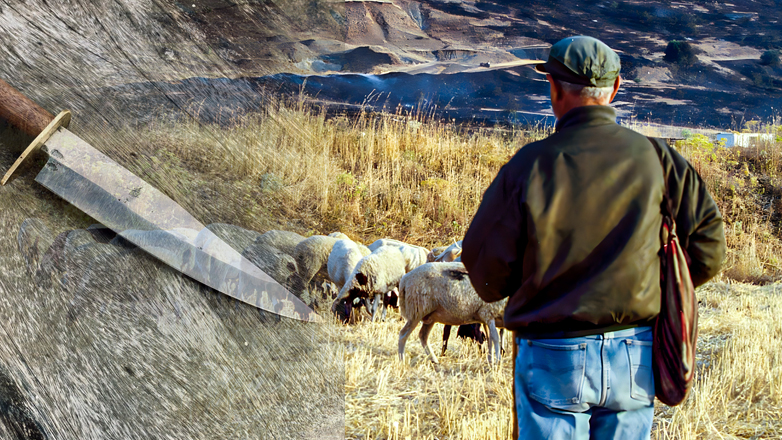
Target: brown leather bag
{"x":676,"y":327}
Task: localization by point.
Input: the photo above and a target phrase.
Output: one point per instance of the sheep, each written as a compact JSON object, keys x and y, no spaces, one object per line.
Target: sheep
{"x":312,"y":256}
{"x":236,"y":237}
{"x":285,"y":241}
{"x":414,"y":255}
{"x":467,"y":331}
{"x":446,"y":254}
{"x":374,"y":276}
{"x":385,"y":242}
{"x":441,"y":292}
{"x":269,"y":253}
{"x":344,"y":256}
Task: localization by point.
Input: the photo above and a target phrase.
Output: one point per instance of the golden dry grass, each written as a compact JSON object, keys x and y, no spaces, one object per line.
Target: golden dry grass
{"x":370,"y":177}
{"x":462,"y":397}
{"x":737,"y":391}
{"x":401,"y":177}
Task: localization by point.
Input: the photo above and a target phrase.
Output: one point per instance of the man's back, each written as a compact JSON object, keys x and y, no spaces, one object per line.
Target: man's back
{"x":570,"y":230}
{"x":580,"y":218}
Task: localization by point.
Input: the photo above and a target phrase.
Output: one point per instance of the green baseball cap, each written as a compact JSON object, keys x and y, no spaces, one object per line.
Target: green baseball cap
{"x":582,"y":60}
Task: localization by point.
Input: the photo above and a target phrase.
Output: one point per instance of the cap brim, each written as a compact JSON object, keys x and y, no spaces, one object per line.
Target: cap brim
{"x":541,"y":68}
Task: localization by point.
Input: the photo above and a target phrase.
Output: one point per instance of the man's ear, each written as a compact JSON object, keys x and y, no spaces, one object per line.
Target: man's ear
{"x":556,"y":88}
{"x":617,"y":83}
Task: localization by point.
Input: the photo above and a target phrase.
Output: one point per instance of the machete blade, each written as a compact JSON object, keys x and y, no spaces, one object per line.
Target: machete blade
{"x":146,"y":217}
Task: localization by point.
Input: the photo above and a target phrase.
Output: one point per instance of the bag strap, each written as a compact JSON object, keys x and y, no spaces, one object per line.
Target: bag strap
{"x":668,"y":230}
{"x":667,"y":204}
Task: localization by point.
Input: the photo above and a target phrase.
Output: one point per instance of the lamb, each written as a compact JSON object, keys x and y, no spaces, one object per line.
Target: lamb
{"x":374,"y":276}
{"x":441,"y":292}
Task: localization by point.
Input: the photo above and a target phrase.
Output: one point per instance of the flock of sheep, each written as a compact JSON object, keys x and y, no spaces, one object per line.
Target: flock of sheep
{"x":427,"y":286}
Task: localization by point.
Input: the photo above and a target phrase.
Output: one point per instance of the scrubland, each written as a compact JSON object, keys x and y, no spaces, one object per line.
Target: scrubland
{"x":407,"y":177}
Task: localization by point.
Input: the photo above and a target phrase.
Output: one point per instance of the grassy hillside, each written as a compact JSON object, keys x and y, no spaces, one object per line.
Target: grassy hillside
{"x":406,"y":177}
{"x":409,"y":178}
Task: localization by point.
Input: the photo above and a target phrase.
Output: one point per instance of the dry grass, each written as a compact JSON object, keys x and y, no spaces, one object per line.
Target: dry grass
{"x":370,"y":177}
{"x":402,"y":176}
{"x":737,"y":391}
{"x":462,"y":397}
{"x":398,"y":176}
{"x":738,"y":388}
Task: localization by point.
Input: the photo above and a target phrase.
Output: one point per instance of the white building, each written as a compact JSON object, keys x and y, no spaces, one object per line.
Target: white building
{"x":743,"y":139}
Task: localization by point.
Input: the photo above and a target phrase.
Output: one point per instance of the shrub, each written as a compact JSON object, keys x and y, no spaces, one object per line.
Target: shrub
{"x":770,"y":58}
{"x":680,"y":52}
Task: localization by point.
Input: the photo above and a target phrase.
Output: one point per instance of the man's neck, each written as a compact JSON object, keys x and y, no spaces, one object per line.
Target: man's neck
{"x":586,"y":114}
{"x":569,"y":102}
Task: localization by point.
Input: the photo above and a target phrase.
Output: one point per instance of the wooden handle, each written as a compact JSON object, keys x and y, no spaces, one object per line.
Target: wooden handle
{"x":21,"y":112}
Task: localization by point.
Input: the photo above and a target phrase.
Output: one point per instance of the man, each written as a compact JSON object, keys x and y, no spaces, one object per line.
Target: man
{"x":570,"y":231}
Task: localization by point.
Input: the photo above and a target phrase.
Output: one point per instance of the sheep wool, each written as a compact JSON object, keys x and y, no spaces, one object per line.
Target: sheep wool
{"x":344,"y":256}
{"x":442,"y":292}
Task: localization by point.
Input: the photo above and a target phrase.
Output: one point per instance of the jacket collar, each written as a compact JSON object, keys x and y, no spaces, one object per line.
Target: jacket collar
{"x":587,"y":115}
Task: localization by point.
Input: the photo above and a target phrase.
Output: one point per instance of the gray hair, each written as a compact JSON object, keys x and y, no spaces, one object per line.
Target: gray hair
{"x":597,"y":93}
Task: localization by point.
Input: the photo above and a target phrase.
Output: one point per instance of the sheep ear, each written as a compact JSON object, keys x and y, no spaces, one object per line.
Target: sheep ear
{"x":456,"y":274}
{"x":362,"y":279}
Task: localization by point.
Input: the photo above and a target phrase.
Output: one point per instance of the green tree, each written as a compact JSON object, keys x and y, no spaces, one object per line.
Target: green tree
{"x":680,"y":52}
{"x":770,"y":58}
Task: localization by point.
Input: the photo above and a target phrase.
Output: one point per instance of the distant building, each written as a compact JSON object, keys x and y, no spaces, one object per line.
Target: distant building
{"x":743,"y":139}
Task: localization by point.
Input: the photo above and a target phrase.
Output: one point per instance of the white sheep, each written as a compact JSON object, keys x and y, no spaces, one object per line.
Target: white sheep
{"x":344,"y":256}
{"x":441,"y":292}
{"x":373,"y":276}
{"x":414,"y":255}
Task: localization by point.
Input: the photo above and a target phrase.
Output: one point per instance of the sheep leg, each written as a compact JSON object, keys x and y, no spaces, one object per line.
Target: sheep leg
{"x":446,"y":336}
{"x":423,"y":335}
{"x":407,"y":330}
{"x":367,"y":307}
{"x":494,"y":342}
{"x":376,"y":305}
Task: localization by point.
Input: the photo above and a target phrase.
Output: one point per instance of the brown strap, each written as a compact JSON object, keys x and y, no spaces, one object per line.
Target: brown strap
{"x":666,"y":207}
{"x":514,"y":353}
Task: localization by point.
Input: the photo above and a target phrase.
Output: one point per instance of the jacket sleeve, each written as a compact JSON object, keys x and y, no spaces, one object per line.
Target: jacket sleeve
{"x":698,"y":220}
{"x":493,"y":246}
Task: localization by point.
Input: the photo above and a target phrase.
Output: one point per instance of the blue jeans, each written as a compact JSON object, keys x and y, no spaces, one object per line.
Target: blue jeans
{"x":597,"y":387}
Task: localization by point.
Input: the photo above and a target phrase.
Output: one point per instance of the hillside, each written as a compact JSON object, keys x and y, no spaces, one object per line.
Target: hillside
{"x":63,"y":54}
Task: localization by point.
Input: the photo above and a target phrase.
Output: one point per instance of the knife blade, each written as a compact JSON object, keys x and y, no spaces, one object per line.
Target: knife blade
{"x":140,"y":213}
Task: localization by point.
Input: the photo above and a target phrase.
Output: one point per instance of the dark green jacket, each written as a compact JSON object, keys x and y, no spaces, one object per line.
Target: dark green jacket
{"x":570,"y":229}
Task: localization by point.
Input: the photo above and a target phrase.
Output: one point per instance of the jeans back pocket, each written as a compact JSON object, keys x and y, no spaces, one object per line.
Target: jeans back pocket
{"x":554,"y":374}
{"x":639,"y":355}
